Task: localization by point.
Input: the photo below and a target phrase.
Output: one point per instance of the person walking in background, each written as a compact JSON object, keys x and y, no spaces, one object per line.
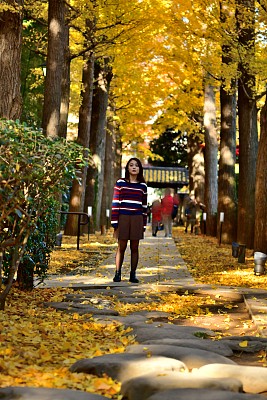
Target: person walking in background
{"x":191,"y":213}
{"x":166,"y":210}
{"x":176,"y":202}
{"x":129,"y":215}
{"x":156,"y":216}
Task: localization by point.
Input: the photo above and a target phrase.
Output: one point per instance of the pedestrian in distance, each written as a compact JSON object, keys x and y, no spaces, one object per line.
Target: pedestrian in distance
{"x":176,"y":202}
{"x":166,"y":210}
{"x":129,"y":215}
{"x":156,"y":216}
{"x":190,"y":212}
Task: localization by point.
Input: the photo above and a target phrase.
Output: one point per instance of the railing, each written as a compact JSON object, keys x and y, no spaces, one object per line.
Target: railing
{"x":80,"y":214}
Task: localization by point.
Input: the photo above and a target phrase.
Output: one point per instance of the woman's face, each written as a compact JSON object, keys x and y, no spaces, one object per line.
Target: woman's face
{"x":133,"y":168}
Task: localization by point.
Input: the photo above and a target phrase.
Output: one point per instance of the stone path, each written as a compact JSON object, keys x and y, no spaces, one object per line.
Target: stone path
{"x":169,"y":361}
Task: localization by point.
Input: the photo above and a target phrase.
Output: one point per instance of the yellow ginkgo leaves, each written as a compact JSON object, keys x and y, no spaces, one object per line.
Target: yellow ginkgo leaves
{"x":212,"y":264}
{"x":244,"y":343}
{"x":38,"y":344}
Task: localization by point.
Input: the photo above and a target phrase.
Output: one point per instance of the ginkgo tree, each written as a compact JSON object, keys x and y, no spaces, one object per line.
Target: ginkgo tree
{"x":159,"y":55}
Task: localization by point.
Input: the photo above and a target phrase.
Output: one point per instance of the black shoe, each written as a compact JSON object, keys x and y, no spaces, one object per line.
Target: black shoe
{"x":133,"y":278}
{"x":117,"y":277}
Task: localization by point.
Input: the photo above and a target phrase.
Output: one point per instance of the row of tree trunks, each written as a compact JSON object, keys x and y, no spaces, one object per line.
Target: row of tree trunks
{"x":77,"y":195}
{"x":95,"y":174}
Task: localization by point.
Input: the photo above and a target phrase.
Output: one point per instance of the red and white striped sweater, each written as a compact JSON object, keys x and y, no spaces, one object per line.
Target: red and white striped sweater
{"x":129,"y":199}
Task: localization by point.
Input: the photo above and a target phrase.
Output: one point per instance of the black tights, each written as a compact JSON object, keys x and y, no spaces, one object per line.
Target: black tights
{"x":122,"y":245}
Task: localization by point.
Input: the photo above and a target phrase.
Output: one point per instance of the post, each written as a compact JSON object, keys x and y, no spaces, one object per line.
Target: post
{"x":89,"y":212}
{"x":107,"y":215}
{"x":79,"y":231}
{"x":204,"y":221}
{"x":221,"y":223}
{"x":242,"y":253}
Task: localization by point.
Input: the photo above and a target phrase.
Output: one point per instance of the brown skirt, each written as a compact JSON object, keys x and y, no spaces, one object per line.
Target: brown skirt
{"x":131,"y":227}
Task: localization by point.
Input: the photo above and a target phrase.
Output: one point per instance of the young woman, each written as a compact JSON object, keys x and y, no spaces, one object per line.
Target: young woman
{"x":129,"y":215}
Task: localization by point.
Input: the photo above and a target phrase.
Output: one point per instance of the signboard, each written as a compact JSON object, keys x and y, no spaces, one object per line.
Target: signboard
{"x":166,"y":175}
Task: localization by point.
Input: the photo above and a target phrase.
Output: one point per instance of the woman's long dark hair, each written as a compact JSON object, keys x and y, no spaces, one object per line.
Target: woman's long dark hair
{"x":140,"y":176}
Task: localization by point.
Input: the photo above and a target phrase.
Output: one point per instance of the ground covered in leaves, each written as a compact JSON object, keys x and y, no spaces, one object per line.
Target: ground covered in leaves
{"x":211,"y":263}
{"x":38,"y":344}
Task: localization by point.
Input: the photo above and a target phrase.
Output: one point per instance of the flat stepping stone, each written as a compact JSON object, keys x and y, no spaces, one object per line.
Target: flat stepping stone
{"x":191,"y":357}
{"x":135,"y":300}
{"x":254,"y":379}
{"x":249,"y":347}
{"x":152,"y":314}
{"x":133,"y":318}
{"x":125,"y":366}
{"x":144,"y":386}
{"x":246,"y":337}
{"x":215,"y":346}
{"x":31,"y":393}
{"x":202,"y":394}
{"x":126,"y":321}
{"x":161,"y":330}
{"x":70,"y":307}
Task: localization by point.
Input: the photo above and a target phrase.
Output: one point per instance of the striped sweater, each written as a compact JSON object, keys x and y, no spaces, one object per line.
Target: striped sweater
{"x":128,"y":199}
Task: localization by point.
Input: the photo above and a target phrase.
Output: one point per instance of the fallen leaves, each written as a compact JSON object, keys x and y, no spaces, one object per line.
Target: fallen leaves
{"x":212,"y":264}
{"x":38,"y":345}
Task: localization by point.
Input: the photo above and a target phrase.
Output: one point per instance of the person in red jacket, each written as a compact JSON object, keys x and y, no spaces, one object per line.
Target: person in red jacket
{"x":156,"y":216}
{"x":166,"y":210}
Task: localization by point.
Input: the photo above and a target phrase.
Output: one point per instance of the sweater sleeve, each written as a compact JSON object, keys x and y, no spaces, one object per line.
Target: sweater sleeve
{"x":115,"y":206}
{"x":144,"y":204}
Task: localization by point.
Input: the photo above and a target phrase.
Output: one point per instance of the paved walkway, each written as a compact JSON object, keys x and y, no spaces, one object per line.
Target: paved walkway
{"x":161,"y":265}
{"x":160,"y":262}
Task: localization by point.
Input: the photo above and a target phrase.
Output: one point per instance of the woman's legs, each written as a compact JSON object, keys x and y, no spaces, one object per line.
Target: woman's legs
{"x":134,"y":246}
{"x":122,"y":245}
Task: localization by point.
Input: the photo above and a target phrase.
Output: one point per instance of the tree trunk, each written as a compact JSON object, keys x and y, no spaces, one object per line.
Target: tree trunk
{"x":227,"y":201}
{"x":54,"y":65}
{"x":227,"y":196}
{"x":65,"y":86}
{"x":77,"y":194}
{"x":196,"y":167}
{"x":247,"y":117}
{"x":117,"y":160}
{"x":260,"y":239}
{"x":10,"y":65}
{"x":211,"y":162}
{"x":25,"y":277}
{"x":108,"y":178}
{"x":95,"y":175}
{"x":105,"y":206}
